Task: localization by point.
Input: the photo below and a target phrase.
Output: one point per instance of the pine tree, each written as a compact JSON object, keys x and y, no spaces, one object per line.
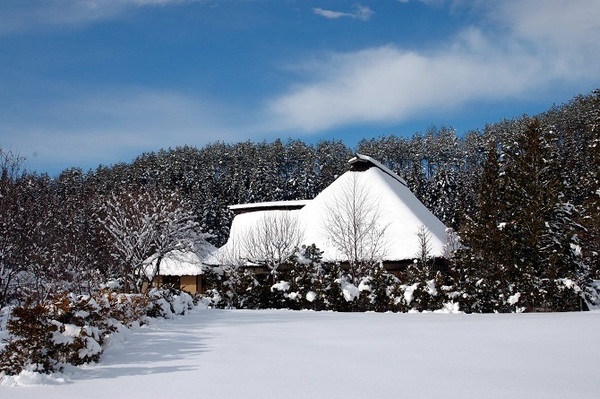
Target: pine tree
{"x":540,"y":224}
{"x":482,"y":264}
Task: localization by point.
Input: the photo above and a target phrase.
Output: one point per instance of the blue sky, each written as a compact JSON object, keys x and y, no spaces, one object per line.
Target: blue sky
{"x":89,"y":82}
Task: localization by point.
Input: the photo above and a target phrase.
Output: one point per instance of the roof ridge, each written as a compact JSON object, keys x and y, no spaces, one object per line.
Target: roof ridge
{"x":367,"y":159}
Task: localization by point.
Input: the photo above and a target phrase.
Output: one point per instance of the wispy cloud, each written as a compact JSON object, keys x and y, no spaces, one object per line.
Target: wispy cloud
{"x":40,"y":14}
{"x":359,"y":12}
{"x":518,"y":48}
{"x":106,"y":124}
{"x":436,"y":3}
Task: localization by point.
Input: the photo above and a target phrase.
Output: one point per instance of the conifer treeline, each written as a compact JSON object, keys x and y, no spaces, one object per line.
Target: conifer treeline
{"x":527,"y":189}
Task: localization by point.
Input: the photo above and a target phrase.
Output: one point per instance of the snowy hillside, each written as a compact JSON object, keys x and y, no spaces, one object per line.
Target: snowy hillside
{"x":286,"y":354}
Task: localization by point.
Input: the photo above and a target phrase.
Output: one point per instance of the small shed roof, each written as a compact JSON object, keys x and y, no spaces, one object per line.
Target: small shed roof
{"x":175,"y":263}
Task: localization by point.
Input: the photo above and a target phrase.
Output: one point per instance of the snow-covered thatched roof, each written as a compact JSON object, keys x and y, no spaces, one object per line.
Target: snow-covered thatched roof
{"x":400,"y":215}
{"x":176,"y":263}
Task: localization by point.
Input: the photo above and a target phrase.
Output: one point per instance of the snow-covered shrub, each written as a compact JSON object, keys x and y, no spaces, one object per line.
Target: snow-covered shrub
{"x":332,"y":292}
{"x":66,"y":329}
{"x":422,"y":289}
{"x":592,"y":297}
{"x":561,"y":294}
{"x":46,"y":336}
{"x":350,"y":292}
{"x":126,"y":309}
{"x":248,"y":291}
{"x":305,"y":275}
{"x":481,"y":288}
{"x":378,"y":290}
{"x":297,"y":285}
{"x":168,"y":302}
{"x":242,"y":289}
{"x":307,"y":283}
{"x":279,"y":294}
{"x":214,"y":295}
{"x":30,"y":342}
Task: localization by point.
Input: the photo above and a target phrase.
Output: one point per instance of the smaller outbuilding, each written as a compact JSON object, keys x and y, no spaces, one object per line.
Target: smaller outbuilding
{"x":181,"y":269}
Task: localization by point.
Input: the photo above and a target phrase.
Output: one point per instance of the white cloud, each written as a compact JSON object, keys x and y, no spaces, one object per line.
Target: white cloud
{"x":330,"y":14}
{"x":564,"y":38}
{"x":387,"y":84}
{"x":513,"y":52}
{"x":359,"y":12}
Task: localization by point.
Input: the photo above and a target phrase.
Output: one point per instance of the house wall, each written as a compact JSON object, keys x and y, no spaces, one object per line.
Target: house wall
{"x":191,"y":284}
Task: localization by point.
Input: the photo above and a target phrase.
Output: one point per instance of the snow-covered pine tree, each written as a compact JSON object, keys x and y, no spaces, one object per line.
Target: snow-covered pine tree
{"x":331,"y":162}
{"x":540,"y":224}
{"x":481,"y":265}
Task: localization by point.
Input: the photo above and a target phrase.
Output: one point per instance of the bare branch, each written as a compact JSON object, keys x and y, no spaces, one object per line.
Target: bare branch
{"x":145,"y":225}
{"x":424,"y":252}
{"x":273,"y":239}
{"x":354,"y":224}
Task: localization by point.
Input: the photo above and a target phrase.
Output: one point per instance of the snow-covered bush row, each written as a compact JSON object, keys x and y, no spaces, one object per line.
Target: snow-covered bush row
{"x":315,"y":285}
{"x":329,"y":289}
{"x":72,"y":329}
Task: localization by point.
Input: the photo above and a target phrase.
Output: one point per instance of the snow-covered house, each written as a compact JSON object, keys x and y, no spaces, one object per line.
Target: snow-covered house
{"x":182,"y":269}
{"x":396,"y":223}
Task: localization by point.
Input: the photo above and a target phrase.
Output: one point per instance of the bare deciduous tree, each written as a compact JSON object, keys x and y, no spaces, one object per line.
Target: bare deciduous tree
{"x":355,"y":226}
{"x":231,"y":255}
{"x":273,"y":239}
{"x":12,"y":248}
{"x":146,"y":225}
{"x":424,"y":252}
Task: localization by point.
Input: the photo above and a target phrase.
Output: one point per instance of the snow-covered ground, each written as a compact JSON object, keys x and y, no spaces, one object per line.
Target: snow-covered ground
{"x":287,"y":354}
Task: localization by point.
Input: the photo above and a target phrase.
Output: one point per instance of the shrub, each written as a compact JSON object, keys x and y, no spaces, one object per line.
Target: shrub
{"x":71,"y":329}
{"x":46,"y":336}
{"x":167,"y":302}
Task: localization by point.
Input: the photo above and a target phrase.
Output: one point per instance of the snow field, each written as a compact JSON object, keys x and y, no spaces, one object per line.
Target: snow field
{"x":288,"y":354}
